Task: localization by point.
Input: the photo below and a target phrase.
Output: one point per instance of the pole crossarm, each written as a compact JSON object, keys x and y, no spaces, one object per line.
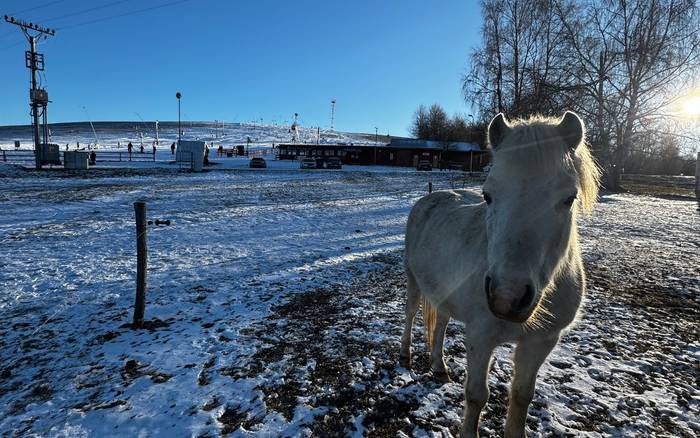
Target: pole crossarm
{"x":25,"y":26}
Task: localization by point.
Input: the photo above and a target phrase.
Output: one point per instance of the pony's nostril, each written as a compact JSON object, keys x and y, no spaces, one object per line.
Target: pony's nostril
{"x":487,"y":287}
{"x":526,"y":300}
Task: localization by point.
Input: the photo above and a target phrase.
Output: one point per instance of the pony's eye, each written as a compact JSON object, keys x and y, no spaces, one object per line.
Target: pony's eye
{"x":487,"y":197}
{"x":570,"y":201}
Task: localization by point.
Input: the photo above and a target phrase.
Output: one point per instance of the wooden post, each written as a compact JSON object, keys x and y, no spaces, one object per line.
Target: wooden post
{"x":430,"y":187}
{"x":141,"y":263}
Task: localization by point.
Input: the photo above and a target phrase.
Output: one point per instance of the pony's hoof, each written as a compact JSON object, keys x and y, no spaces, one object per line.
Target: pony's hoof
{"x":442,"y":376}
{"x":405,"y":361}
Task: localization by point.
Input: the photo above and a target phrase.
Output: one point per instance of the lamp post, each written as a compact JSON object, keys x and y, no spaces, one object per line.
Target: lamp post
{"x":376,"y":143}
{"x":178,"y":95}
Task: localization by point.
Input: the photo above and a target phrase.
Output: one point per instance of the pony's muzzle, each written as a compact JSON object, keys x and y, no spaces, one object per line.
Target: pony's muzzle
{"x":510,"y":300}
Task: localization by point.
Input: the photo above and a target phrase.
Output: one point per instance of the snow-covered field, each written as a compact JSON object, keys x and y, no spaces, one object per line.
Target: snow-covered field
{"x":275,"y":307}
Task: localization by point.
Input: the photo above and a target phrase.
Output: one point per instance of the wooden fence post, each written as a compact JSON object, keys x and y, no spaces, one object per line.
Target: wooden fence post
{"x":430,"y":187}
{"x":141,"y":263}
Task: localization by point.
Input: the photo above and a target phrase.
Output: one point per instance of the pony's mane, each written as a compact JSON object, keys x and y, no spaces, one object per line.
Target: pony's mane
{"x":531,"y":142}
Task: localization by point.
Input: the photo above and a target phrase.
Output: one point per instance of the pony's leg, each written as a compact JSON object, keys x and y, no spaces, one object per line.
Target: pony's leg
{"x":529,"y":356}
{"x":437,"y":352}
{"x":412,"y":305}
{"x":476,"y":387}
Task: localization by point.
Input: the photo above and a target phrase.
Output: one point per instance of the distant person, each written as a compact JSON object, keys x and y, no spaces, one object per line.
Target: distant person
{"x":221,"y":150}
{"x":77,"y":145}
{"x":206,"y":155}
{"x":129,"y":147}
{"x":141,"y":148}
{"x":93,"y":158}
{"x":172,"y":148}
{"x":119,"y":144}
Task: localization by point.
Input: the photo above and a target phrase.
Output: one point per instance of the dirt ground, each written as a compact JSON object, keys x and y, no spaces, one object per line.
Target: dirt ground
{"x":351,"y":336}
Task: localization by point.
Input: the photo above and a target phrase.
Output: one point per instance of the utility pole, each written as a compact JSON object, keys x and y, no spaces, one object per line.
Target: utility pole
{"x":38,"y":96}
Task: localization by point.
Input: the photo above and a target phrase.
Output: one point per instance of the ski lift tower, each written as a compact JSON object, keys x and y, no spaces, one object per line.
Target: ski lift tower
{"x":38,"y":96}
{"x":295,"y":129}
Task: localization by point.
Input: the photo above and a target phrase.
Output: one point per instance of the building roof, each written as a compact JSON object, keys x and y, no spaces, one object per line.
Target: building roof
{"x":414,"y":143}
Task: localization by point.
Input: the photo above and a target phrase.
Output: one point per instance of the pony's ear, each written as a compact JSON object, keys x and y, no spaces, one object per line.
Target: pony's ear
{"x":571,"y":130}
{"x":497,"y":130}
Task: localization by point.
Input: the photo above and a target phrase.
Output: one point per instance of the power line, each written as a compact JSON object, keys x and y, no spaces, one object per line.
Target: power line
{"x":36,"y":7}
{"x":85,"y":23}
{"x":85,"y":11}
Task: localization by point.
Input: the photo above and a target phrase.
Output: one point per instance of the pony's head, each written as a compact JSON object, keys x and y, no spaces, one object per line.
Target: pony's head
{"x":542,"y":174}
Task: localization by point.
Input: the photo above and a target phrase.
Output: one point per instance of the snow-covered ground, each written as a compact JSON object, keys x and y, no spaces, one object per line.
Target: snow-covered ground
{"x":275,"y":309}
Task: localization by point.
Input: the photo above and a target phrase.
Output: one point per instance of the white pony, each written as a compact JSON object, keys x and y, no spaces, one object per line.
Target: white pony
{"x":509,"y":267}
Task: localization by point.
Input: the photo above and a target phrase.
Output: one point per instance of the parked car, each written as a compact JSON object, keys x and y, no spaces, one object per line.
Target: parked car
{"x":334,"y":163}
{"x":307,"y":163}
{"x":258,"y":163}
{"x":424,"y":165}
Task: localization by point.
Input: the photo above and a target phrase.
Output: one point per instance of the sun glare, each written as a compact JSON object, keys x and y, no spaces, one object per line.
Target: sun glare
{"x":691,"y":107}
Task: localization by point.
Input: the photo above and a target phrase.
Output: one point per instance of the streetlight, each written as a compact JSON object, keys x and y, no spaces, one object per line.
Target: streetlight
{"x":376,"y":143}
{"x":178,"y":95}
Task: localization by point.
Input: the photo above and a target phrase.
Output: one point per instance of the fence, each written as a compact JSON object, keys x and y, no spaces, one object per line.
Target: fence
{"x":116,"y":156}
{"x":26,"y":156}
{"x":19,"y":156}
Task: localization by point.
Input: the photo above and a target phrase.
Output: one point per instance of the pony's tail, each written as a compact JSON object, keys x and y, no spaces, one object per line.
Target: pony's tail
{"x":429,"y":321}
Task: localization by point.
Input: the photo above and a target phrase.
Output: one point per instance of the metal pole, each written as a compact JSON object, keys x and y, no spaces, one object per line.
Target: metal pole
{"x":178,"y":95}
{"x":376,"y":143}
{"x":141,"y":263}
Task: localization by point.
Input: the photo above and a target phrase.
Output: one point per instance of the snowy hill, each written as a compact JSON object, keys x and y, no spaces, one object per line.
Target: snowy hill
{"x":110,"y":134}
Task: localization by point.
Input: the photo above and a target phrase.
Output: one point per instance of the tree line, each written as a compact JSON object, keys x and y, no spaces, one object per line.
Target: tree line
{"x":622,"y":64}
{"x":433,"y":123}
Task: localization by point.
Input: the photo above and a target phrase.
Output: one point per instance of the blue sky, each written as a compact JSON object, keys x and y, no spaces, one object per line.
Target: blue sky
{"x":243,"y":60}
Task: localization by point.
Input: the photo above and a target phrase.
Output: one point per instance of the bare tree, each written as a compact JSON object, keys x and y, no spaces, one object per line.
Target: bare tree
{"x":620,"y":63}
